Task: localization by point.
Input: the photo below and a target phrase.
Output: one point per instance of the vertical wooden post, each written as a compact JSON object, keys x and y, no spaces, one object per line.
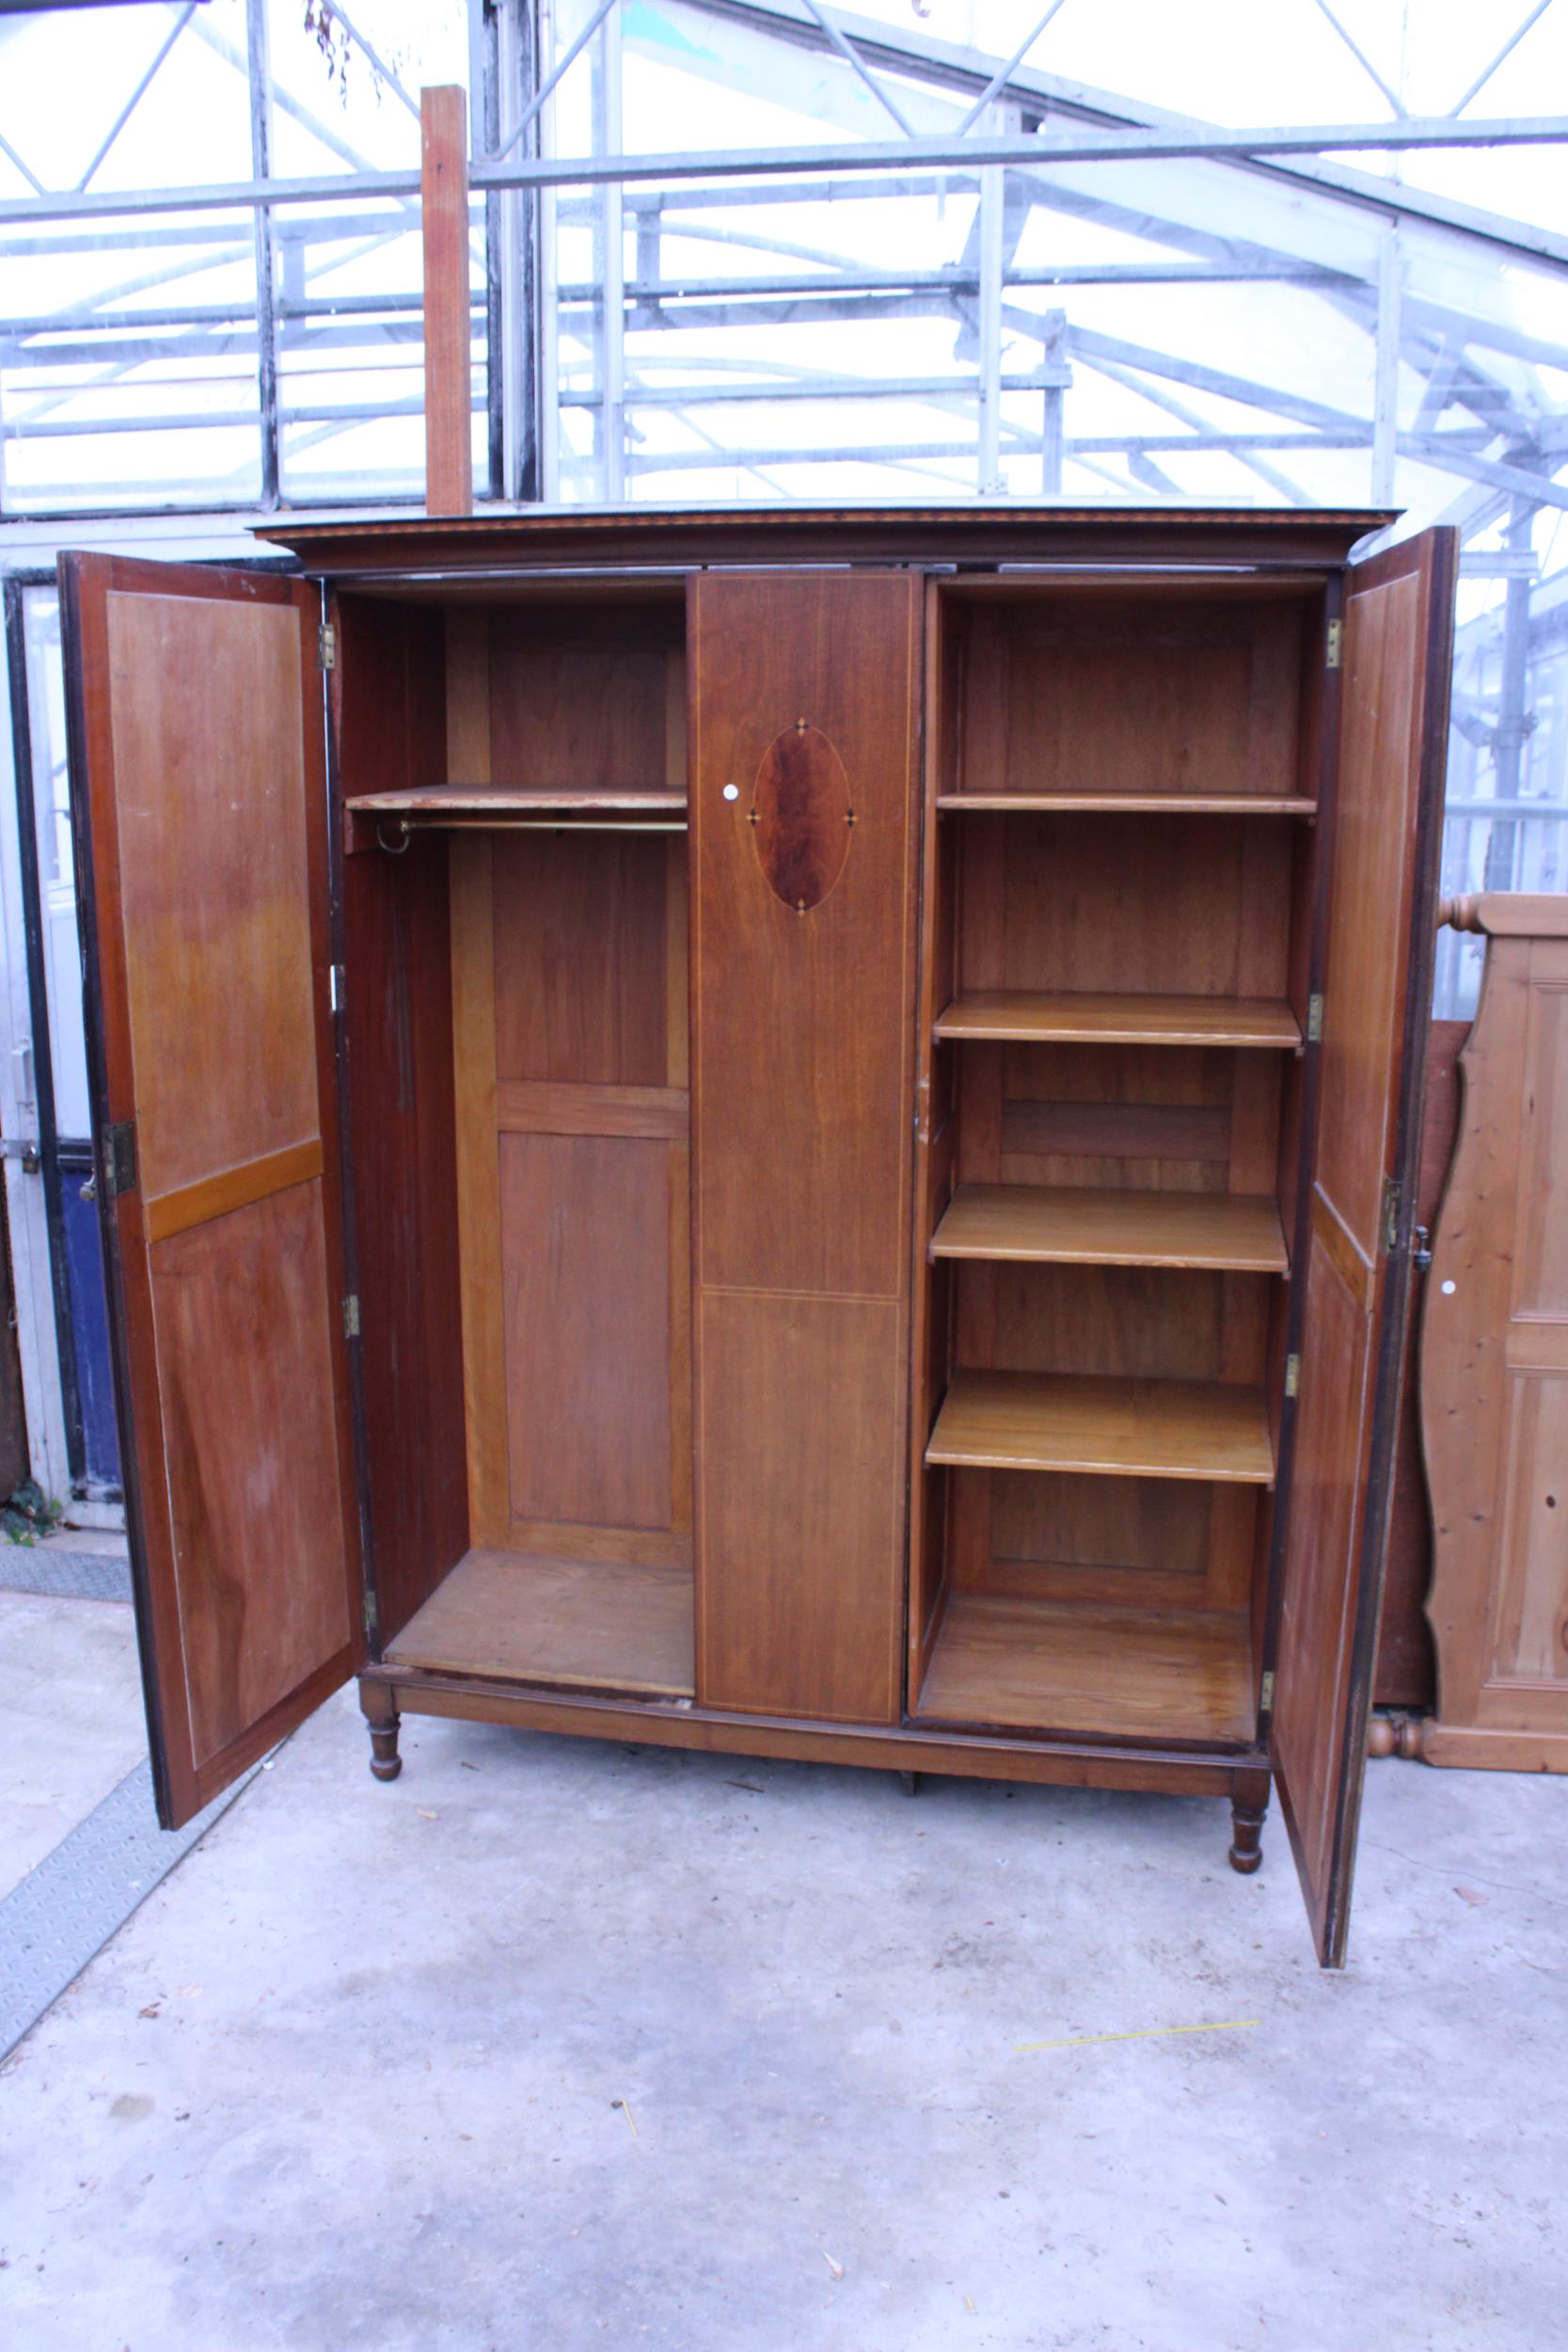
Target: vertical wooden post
{"x":449,"y":451}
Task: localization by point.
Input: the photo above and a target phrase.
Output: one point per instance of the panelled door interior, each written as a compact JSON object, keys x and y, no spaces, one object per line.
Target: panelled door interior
{"x":774,"y":1131}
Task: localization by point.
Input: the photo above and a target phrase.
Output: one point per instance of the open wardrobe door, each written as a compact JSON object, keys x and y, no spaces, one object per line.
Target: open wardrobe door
{"x":197,"y":759}
{"x":1355,"y":1233}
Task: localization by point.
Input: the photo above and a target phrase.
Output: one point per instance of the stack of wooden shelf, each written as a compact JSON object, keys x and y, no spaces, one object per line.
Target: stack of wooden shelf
{"x":1105,"y":1252}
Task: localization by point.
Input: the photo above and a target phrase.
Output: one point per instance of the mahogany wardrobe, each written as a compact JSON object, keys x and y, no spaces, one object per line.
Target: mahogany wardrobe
{"x":777,"y":1130}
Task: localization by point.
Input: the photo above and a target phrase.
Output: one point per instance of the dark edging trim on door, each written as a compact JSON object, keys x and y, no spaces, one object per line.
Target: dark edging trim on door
{"x":98,"y":1096}
{"x":1397,"y":1270}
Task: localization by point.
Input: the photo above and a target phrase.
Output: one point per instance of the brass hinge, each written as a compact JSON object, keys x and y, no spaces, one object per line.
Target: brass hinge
{"x":1335,"y":652}
{"x":368,"y":1612}
{"x":326,"y":646}
{"x":1265,"y":1693}
{"x":120,"y":1159}
{"x":1390,"y":1213}
{"x":1293,"y":1375}
{"x":1314,"y":1019}
{"x":350,"y":1316}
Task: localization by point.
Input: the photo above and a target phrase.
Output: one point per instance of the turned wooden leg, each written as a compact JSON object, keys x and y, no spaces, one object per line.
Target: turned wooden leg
{"x":1249,"y":1805}
{"x":382,"y":1720}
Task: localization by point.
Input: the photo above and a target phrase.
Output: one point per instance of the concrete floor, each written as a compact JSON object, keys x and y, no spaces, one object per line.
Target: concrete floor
{"x":72,"y":1723}
{"x":556,"y":2044}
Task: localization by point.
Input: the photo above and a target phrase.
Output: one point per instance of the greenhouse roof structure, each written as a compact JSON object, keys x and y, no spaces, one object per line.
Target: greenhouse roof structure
{"x":773,"y":249}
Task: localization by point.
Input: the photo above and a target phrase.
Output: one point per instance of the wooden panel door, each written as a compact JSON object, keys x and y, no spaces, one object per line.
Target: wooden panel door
{"x":805,"y":715}
{"x":1353,"y":1232}
{"x":201,"y":799}
{"x":1495,"y":1362}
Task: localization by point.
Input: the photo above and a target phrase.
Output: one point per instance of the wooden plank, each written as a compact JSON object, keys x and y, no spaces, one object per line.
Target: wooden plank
{"x":1508,"y":914}
{"x":245,"y":1318}
{"x":1472,"y":1750}
{"x":1107,"y":1527}
{"x":1117,"y":1672}
{"x":202,"y":858}
{"x":1152,"y":693}
{"x":585,"y":1296}
{"x":678,"y":1016}
{"x":1133,"y":803}
{"x":473,"y":1025}
{"x":1326,"y":1497}
{"x":803,"y":1022}
{"x":1354,"y":1273}
{"x":803,"y":1064}
{"x":468,"y":645}
{"x":1063,"y":1762}
{"x":585,"y":1624}
{"x":215,"y":1091}
{"x":486,"y":802}
{"x":545,"y":1106}
{"x":390,"y":716}
{"x":1494,"y":1398}
{"x":1027,"y":1016}
{"x":1095,"y":906}
{"x":1254,"y":1153}
{"x":448,"y":488}
{"x":1113,"y":1427}
{"x":1406,"y":1667}
{"x":1054,"y":1224}
{"x":1304,"y":542}
{"x":236,"y":1189}
{"x":1233,"y":1532}
{"x":581,"y":957}
{"x":590,"y":697}
{"x":799,"y":1450}
{"x":1197,"y":1133}
{"x":575,"y":1191}
{"x":935,"y":1141}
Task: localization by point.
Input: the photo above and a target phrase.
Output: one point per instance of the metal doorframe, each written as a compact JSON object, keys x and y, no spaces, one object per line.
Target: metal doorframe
{"x":58,"y":1160}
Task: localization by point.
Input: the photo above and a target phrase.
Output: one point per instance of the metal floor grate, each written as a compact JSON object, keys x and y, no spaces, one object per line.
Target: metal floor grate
{"x":66,"y":1911}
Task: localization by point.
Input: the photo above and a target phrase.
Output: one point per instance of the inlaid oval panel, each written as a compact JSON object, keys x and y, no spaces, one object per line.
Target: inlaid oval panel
{"x":800,"y":817}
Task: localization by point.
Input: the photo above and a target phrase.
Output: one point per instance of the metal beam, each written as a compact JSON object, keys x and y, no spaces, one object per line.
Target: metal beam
{"x":611,"y":251}
{"x":1361,"y":58}
{"x":945,"y":65}
{"x":1515,"y":721}
{"x":515,"y":362}
{"x":259,"y":52}
{"x":740,"y":163}
{"x":1506,"y":51}
{"x":857,"y":64}
{"x":1003,"y":72}
{"x":378,"y":64}
{"x":1242,"y":446}
{"x":547,"y":87}
{"x":1385,"y":390}
{"x":139,"y":93}
{"x":7,"y":148}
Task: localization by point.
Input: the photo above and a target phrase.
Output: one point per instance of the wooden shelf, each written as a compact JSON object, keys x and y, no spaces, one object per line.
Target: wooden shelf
{"x":1052,"y":1225}
{"x":1134,"y":803}
{"x":1111,"y":1673}
{"x":1023,"y":1016}
{"x":1027,"y":1420}
{"x":504,"y":804}
{"x":598,"y":1625}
